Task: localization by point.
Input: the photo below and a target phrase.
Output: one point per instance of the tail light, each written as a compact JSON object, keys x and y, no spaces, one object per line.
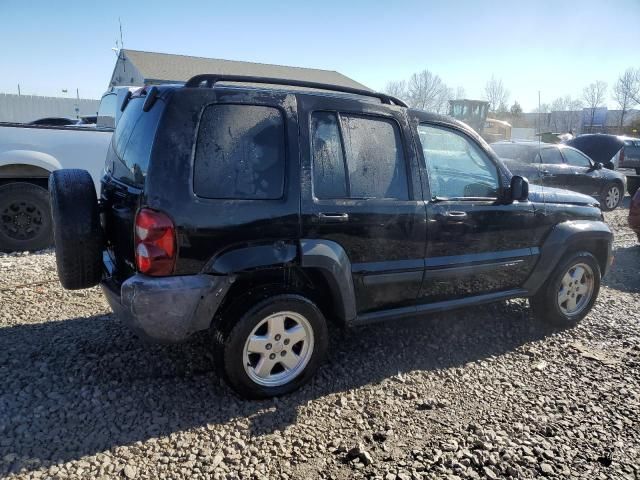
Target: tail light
{"x":621,"y":157}
{"x":155,"y":242}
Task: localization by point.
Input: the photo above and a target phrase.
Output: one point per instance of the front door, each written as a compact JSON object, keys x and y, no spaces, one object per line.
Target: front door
{"x":361,"y":190}
{"x":476,"y":243}
{"x":583,"y":177}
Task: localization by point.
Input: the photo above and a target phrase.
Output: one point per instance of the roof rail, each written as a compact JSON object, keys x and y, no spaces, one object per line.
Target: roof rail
{"x":209,"y":80}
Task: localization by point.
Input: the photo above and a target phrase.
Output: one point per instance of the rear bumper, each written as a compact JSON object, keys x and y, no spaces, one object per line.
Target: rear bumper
{"x":166,"y":309}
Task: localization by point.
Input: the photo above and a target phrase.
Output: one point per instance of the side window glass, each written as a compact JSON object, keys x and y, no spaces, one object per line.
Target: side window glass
{"x":375,"y":158}
{"x":576,"y":159}
{"x":456,"y":166}
{"x":328,"y":161}
{"x":107,"y":111}
{"x":240,"y":153}
{"x":551,"y":155}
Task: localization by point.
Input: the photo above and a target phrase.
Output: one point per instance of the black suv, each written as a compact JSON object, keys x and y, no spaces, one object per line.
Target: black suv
{"x":261,"y":208}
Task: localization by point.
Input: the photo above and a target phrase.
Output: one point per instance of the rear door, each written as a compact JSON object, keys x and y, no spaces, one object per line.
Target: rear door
{"x":361,"y":189}
{"x":476,"y":244}
{"x":553,"y":171}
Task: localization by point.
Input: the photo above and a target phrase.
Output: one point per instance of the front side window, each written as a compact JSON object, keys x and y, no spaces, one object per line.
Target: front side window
{"x":456,"y":166}
{"x":576,"y":158}
{"x":375,"y":164}
{"x":240,"y":153}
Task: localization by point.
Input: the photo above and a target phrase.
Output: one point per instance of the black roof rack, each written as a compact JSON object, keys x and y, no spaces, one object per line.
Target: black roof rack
{"x":209,"y":80}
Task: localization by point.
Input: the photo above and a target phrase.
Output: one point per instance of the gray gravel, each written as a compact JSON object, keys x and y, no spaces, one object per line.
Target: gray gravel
{"x":482,"y":393}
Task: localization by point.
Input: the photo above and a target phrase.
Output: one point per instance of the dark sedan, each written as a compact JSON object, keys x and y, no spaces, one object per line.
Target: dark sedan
{"x":561,"y":166}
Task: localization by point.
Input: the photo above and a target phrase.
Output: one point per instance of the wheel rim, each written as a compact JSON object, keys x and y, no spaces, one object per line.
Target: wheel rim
{"x":613,"y":197}
{"x":576,"y":289}
{"x":21,"y":220}
{"x":278,"y":349}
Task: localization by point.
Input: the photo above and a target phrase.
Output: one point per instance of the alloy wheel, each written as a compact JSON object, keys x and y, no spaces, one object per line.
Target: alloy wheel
{"x":613,"y":197}
{"x":278,"y":349}
{"x":576,"y":289}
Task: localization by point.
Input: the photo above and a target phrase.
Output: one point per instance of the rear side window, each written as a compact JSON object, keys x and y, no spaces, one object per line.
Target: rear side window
{"x":133,"y":139}
{"x":329,"y":179}
{"x":551,"y":156}
{"x":375,"y":158}
{"x":521,"y":153}
{"x":375,"y":162}
{"x":107,"y":111}
{"x":240,"y":153}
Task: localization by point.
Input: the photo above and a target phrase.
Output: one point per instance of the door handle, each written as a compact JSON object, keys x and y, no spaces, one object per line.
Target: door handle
{"x":545,"y":173}
{"x":333,"y":217}
{"x":456,"y":214}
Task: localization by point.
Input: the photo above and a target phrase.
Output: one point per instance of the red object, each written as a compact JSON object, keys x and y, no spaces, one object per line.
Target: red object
{"x":155,"y":241}
{"x":634,"y":214}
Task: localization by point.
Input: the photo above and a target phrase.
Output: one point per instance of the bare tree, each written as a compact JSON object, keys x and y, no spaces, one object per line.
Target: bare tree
{"x":397,"y":89}
{"x":625,"y":92}
{"x":460,"y":93}
{"x":495,"y":94}
{"x":427,"y":91}
{"x":594,"y":95}
{"x":635,"y":87}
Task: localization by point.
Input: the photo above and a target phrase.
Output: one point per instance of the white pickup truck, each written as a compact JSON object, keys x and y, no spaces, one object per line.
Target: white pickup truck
{"x":29,"y":153}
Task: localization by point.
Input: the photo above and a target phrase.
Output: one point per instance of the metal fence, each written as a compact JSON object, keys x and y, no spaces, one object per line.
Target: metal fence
{"x":26,"y":108}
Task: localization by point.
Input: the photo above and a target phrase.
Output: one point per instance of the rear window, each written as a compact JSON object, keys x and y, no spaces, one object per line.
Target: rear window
{"x":240,"y":153}
{"x":133,"y":139}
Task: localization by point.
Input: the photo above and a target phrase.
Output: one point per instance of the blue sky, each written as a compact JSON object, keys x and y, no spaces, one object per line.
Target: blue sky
{"x":557,"y":47}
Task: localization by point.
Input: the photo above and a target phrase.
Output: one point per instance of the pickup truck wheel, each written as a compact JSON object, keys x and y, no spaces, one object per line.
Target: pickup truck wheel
{"x":569,"y":294}
{"x":274,"y":348}
{"x":25,"y":217}
{"x":76,"y":228}
{"x":612,"y":196}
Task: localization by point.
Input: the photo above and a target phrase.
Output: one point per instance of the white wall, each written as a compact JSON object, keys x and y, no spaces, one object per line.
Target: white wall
{"x":26,"y":108}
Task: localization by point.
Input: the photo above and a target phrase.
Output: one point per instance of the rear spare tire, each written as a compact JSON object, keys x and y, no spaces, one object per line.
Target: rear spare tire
{"x":76,"y":228}
{"x":25,"y":217}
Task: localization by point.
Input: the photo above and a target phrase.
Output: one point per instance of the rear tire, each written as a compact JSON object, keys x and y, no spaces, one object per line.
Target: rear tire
{"x":612,"y":196}
{"x":569,"y":293}
{"x":76,"y":228}
{"x":25,"y":217}
{"x":291,"y":348}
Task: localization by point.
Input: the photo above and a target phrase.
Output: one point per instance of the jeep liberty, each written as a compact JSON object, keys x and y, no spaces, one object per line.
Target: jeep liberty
{"x":262,"y":208}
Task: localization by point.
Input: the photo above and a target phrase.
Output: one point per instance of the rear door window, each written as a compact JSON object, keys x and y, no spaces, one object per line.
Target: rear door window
{"x":133,"y":139}
{"x":375,"y":165}
{"x":375,"y":158}
{"x":551,"y":156}
{"x":240,"y":153}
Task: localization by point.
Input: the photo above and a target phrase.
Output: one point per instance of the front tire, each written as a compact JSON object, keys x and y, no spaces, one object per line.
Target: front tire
{"x":569,"y":293}
{"x":25,"y":217}
{"x":274,"y":348}
{"x":611,"y":197}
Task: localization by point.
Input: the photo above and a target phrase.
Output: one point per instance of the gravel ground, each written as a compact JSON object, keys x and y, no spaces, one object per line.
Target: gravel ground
{"x":482,"y":393}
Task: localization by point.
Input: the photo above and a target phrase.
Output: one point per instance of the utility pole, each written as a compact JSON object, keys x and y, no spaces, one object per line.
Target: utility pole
{"x":18,"y":89}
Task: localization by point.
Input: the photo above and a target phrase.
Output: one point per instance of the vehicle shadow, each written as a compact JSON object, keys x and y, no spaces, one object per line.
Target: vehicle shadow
{"x":624,"y":272}
{"x":81,"y":386}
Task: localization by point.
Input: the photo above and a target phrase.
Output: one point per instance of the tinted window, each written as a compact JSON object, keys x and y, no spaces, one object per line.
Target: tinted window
{"x":107,"y":111}
{"x":133,"y":139}
{"x":375,"y":158}
{"x":521,"y":153}
{"x":575,"y":158}
{"x":456,"y":166}
{"x":551,"y":155}
{"x":328,"y":160}
{"x":240,"y":153}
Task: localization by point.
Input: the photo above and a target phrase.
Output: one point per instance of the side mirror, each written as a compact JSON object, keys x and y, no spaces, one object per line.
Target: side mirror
{"x":519,"y":189}
{"x":598,"y":166}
